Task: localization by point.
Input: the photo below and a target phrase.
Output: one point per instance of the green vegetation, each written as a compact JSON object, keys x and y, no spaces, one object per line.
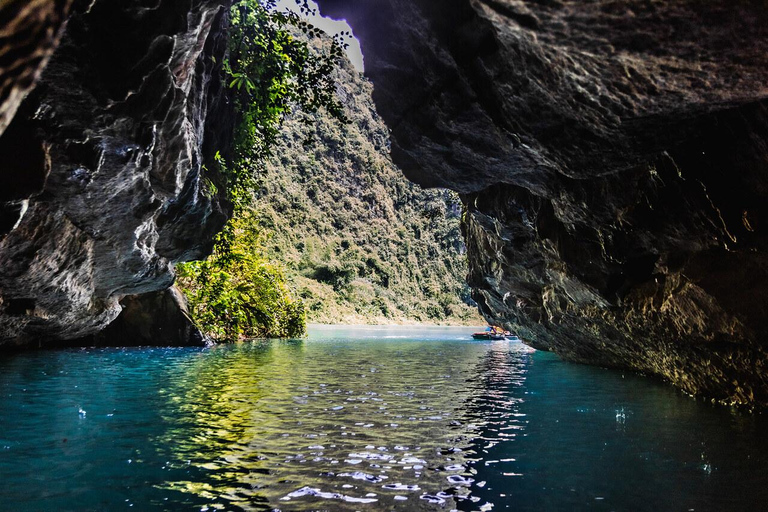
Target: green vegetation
{"x":236,"y":292}
{"x":359,"y":242}
{"x":325,"y":227}
{"x":239,"y":293}
{"x":272,"y":71}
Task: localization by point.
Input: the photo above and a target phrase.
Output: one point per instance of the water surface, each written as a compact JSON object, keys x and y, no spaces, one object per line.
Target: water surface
{"x":363,"y":419}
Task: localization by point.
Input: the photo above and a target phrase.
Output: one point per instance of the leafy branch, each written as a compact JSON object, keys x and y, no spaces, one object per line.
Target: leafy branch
{"x":237,"y":292}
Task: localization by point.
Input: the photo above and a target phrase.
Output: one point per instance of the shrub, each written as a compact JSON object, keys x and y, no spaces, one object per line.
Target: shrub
{"x":239,"y":293}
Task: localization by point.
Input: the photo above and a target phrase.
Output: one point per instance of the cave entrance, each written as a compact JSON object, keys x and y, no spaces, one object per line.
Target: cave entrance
{"x":359,"y":242}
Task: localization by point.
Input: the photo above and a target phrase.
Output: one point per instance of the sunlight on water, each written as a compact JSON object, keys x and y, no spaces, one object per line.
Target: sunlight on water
{"x":370,"y":421}
{"x":362,"y":419}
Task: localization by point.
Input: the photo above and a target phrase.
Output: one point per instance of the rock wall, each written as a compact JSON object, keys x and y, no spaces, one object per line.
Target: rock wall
{"x":102,"y":179}
{"x":31,"y":31}
{"x":152,"y":319}
{"x":612,"y":156}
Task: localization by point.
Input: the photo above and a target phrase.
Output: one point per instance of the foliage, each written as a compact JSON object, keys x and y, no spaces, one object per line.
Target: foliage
{"x":241,"y":294}
{"x":360,"y":243}
{"x":336,"y":220}
{"x":236,"y":292}
{"x":271,"y":71}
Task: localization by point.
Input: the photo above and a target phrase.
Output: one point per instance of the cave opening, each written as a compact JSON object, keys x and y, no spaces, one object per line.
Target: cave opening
{"x":359,"y":242}
{"x":598,"y":170}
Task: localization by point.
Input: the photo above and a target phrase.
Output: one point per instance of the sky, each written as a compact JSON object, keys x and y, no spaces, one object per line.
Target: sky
{"x":330,"y":27}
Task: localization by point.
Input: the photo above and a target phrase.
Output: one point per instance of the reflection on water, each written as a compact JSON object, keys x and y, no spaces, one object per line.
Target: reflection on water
{"x":356,"y":419}
{"x":570,"y":437}
{"x":346,"y":421}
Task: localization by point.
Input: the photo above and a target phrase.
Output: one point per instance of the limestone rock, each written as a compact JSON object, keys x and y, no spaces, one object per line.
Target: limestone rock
{"x":30,"y":32}
{"x":102,"y":169}
{"x":157,"y":318}
{"x":613,"y":160}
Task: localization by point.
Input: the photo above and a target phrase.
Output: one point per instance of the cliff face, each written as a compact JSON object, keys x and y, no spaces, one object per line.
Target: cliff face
{"x":613,"y":160}
{"x":31,"y":31}
{"x":360,"y":243}
{"x":101,"y":167}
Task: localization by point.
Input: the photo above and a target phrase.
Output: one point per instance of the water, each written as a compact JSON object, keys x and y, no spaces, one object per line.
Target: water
{"x":363,"y":419}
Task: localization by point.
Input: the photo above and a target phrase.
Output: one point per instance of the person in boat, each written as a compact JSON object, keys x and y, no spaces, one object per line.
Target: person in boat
{"x":490,"y":333}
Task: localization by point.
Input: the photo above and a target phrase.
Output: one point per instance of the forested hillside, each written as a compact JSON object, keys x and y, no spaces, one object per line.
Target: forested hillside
{"x":359,"y":242}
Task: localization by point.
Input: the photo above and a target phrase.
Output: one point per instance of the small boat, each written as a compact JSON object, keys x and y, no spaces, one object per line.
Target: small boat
{"x":487,"y":336}
{"x":490,"y":333}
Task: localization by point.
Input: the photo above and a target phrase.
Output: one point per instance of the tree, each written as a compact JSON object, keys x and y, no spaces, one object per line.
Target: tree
{"x":236,"y":292}
{"x":241,"y":294}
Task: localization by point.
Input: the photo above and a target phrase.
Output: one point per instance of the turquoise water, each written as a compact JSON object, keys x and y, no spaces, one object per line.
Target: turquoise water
{"x":363,"y":419}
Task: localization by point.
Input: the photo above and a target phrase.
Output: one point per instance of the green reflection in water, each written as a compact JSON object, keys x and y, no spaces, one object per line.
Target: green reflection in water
{"x":347,"y":418}
{"x":348,"y":413}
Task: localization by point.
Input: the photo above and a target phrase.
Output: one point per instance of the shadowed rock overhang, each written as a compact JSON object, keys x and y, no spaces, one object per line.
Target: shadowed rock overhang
{"x":109,"y":111}
{"x":613,"y":160}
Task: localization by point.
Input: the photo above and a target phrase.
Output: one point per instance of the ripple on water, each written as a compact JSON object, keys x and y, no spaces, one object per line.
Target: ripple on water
{"x":433,"y":498}
{"x":359,"y":475}
{"x":311,"y":491}
{"x":401,"y":487}
{"x":348,"y":424}
{"x":460,"y":480}
{"x":392,"y":426}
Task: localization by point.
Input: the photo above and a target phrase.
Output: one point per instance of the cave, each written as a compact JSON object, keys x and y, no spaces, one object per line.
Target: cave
{"x":604,"y":164}
{"x":611,"y":158}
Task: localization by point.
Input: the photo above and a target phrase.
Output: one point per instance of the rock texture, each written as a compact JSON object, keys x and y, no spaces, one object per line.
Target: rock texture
{"x":102,"y":185}
{"x":157,"y":319}
{"x":613,"y":159}
{"x":30,"y":32}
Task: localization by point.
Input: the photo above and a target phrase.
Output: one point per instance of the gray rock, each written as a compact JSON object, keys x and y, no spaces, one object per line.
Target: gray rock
{"x":157,"y":318}
{"x":102,"y":167}
{"x":31,"y":31}
{"x":613,"y":159}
